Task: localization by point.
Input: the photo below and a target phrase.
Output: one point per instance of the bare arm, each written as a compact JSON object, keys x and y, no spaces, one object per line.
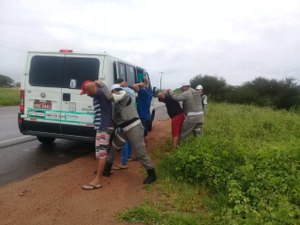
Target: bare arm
{"x":137,"y":86}
{"x":182,"y":97}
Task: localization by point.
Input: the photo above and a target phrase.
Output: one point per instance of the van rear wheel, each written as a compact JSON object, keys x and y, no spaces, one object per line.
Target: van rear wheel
{"x":46,"y":140}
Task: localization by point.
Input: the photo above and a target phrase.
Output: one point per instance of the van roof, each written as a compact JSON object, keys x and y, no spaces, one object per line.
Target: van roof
{"x":80,"y":53}
{"x":69,"y":53}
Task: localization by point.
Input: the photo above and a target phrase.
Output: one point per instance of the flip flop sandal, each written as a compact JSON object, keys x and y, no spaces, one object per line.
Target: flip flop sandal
{"x":120,"y":167}
{"x":91,"y":186}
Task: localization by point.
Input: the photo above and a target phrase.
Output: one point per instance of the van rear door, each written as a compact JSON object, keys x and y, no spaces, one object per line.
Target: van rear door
{"x":43,"y":93}
{"x":77,"y":116}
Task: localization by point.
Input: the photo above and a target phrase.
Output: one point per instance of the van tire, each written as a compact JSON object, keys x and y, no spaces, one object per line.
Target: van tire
{"x":151,"y":120}
{"x":46,"y":140}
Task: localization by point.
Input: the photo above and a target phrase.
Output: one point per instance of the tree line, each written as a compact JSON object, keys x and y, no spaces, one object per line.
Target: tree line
{"x":280,"y":94}
{"x":6,"y":81}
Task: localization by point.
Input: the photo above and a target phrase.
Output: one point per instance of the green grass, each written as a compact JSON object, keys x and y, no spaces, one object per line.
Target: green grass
{"x":244,"y":170}
{"x":9,"y":96}
{"x":178,"y":204}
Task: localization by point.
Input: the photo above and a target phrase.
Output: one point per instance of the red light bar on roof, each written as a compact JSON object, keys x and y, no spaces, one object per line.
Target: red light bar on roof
{"x":65,"y":50}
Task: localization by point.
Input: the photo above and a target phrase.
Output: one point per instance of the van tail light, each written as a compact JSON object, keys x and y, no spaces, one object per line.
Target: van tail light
{"x":22,"y":97}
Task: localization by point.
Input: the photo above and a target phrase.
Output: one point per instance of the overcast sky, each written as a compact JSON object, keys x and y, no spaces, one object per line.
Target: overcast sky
{"x":234,"y":39}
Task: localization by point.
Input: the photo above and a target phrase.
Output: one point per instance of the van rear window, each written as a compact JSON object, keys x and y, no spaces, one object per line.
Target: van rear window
{"x":46,"y":71}
{"x":78,"y":70}
{"x":63,"y":72}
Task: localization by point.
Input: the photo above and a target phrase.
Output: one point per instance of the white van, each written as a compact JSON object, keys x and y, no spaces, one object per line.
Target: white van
{"x":51,"y":105}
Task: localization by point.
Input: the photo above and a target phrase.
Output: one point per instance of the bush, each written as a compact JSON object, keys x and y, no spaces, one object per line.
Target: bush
{"x":250,"y":158}
{"x":279,"y":94}
{"x":283,"y":94}
{"x":213,"y":86}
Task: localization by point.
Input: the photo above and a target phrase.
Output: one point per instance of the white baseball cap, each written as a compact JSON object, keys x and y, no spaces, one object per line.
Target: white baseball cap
{"x":116,"y":86}
{"x":199,"y":87}
{"x":185,"y":84}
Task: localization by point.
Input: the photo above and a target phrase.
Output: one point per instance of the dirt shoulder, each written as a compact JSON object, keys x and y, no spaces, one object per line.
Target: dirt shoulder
{"x":55,"y":196}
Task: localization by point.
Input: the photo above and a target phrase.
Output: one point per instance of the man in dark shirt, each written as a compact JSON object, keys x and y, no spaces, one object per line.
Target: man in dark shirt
{"x":103,"y":124}
{"x":175,"y":112}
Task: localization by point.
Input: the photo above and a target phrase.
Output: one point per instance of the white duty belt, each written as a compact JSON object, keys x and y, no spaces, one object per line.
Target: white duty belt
{"x":195,"y":113}
{"x":135,"y":123}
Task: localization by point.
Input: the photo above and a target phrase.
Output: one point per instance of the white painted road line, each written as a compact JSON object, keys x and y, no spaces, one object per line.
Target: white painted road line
{"x":17,"y":140}
{"x":13,"y":139}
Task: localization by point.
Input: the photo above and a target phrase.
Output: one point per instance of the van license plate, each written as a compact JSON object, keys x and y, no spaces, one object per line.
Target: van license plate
{"x":42,"y":104}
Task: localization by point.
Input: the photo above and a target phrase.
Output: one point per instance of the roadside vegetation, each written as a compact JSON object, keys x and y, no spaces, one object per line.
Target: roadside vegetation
{"x":276,"y":94}
{"x":245,"y":169}
{"x":9,"y":96}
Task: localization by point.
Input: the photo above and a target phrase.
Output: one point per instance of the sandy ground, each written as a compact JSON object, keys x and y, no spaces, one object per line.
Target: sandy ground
{"x":55,"y":196}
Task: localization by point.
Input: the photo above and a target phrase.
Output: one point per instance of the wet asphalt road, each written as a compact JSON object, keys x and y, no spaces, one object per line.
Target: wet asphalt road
{"x":22,"y":156}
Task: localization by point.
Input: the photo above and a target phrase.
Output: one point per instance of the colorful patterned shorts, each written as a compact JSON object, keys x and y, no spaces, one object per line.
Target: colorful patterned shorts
{"x":102,"y":142}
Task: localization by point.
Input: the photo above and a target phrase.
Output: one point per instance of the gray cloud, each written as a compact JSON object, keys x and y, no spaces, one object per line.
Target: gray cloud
{"x":237,"y":41}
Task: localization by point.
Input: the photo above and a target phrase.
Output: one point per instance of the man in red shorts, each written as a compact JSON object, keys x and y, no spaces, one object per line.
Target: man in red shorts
{"x":175,"y":112}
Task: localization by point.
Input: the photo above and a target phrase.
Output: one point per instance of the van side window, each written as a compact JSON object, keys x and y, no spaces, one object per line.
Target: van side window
{"x":140,"y":74}
{"x":131,"y":75}
{"x":46,"y":71}
{"x":147,"y":75}
{"x":115,"y":71}
{"x":122,"y":72}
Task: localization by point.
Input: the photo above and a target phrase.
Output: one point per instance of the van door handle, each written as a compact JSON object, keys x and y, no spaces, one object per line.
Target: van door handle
{"x":66,"y":97}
